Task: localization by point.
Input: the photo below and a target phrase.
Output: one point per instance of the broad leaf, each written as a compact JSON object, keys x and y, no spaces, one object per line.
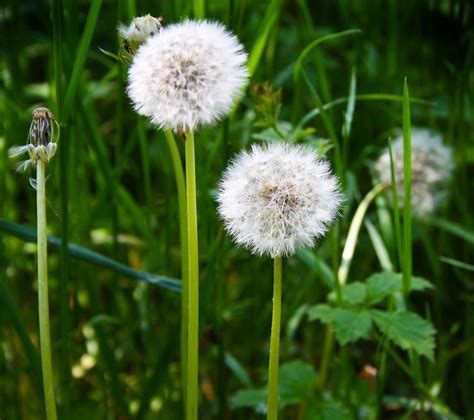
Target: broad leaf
{"x":256,"y":398}
{"x":352,"y":293}
{"x":381,"y":285}
{"x":297,"y":381}
{"x":407,"y":329}
{"x":348,"y":324}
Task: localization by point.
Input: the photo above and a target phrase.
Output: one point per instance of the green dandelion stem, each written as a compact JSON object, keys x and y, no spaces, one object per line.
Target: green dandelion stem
{"x":183,"y":228}
{"x":275,"y":341}
{"x":43,"y":306}
{"x":193,"y":283}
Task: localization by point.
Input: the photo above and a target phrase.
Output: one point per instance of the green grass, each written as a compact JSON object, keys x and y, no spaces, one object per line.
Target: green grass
{"x":115,"y":198}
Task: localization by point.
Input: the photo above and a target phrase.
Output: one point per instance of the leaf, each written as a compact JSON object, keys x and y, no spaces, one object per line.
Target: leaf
{"x":407,"y":330}
{"x":327,"y":410}
{"x":297,"y":380}
{"x":234,"y":365}
{"x":352,"y":293}
{"x":250,"y":398}
{"x":349,"y":324}
{"x":419,"y":284}
{"x":381,"y":285}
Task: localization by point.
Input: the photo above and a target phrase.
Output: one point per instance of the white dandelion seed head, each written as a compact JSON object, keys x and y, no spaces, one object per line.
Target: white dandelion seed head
{"x":187,"y":75}
{"x":432,"y":169}
{"x":140,"y":29}
{"x":277,"y":198}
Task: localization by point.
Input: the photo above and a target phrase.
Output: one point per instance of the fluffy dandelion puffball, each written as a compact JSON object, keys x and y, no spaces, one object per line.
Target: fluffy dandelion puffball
{"x":432,"y":169}
{"x":187,"y":75}
{"x":277,"y":198}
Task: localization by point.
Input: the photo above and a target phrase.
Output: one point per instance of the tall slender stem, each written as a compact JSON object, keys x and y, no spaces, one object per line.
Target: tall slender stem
{"x":43,"y":306}
{"x":193,"y":282}
{"x":183,"y":229}
{"x":273,"y":365}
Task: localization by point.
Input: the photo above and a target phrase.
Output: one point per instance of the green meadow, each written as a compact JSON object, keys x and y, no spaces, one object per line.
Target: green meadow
{"x":377,"y":318}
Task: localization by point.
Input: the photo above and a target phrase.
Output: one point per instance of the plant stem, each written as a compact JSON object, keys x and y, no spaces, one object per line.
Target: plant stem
{"x":183,"y":228}
{"x":43,"y":307}
{"x":275,"y":341}
{"x":327,"y":350}
{"x":193,"y":282}
{"x":352,"y":236}
{"x":407,"y":228}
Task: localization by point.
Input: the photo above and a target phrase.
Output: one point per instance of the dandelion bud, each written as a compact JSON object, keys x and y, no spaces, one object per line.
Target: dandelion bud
{"x":432,"y":169}
{"x":277,"y":198}
{"x":187,"y":75}
{"x":41,"y":144}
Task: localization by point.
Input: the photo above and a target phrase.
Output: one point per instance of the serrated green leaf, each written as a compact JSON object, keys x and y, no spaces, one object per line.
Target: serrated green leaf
{"x":407,"y":330}
{"x":349,"y":324}
{"x":327,"y":410}
{"x":380,"y":285}
{"x":297,"y":381}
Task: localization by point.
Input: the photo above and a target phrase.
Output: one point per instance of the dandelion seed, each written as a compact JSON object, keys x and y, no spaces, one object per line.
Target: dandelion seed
{"x":187,"y":75}
{"x":277,"y":198}
{"x":41,"y":143}
{"x":432,"y":169}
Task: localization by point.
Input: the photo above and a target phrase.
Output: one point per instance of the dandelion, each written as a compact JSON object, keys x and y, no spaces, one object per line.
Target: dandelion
{"x":278,"y":198}
{"x":41,"y":148}
{"x":432,"y":169}
{"x":273,"y":200}
{"x":41,"y":145}
{"x":140,"y":29}
{"x":135,"y":34}
{"x":187,"y":75}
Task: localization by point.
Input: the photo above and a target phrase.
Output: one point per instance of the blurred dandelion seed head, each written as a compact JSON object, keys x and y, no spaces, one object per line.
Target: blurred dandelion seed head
{"x":432,"y":169}
{"x":277,"y":198}
{"x":187,"y":75}
{"x":140,"y":29}
{"x":41,"y":144}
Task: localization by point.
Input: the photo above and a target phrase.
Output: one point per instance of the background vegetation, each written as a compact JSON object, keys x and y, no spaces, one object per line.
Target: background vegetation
{"x":112,"y":190}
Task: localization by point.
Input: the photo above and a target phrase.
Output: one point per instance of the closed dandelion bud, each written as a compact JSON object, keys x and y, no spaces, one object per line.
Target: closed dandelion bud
{"x":187,"y":75}
{"x":42,"y":137}
{"x":432,"y":169}
{"x":277,"y":198}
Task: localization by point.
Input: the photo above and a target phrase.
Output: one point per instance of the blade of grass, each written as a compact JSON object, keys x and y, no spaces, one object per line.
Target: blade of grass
{"x":299,"y":61}
{"x":379,"y":247}
{"x":327,"y":124}
{"x":407,"y":223}
{"x":81,"y":56}
{"x":396,"y":208}
{"x":65,"y":323}
{"x":91,"y":257}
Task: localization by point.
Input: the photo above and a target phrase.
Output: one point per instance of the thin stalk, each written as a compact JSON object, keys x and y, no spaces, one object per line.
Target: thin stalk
{"x":407,"y":228}
{"x":273,"y":367}
{"x":352,"y":236}
{"x":327,"y":351}
{"x":193,"y":283}
{"x":396,"y":209}
{"x":43,"y":306}
{"x":183,"y":228}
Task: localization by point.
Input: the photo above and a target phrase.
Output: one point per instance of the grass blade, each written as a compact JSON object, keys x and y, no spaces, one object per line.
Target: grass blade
{"x":407,"y":223}
{"x":91,"y":257}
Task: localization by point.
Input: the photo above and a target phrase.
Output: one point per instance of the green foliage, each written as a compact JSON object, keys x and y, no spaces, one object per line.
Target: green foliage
{"x":354,"y":321}
{"x":406,"y":329}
